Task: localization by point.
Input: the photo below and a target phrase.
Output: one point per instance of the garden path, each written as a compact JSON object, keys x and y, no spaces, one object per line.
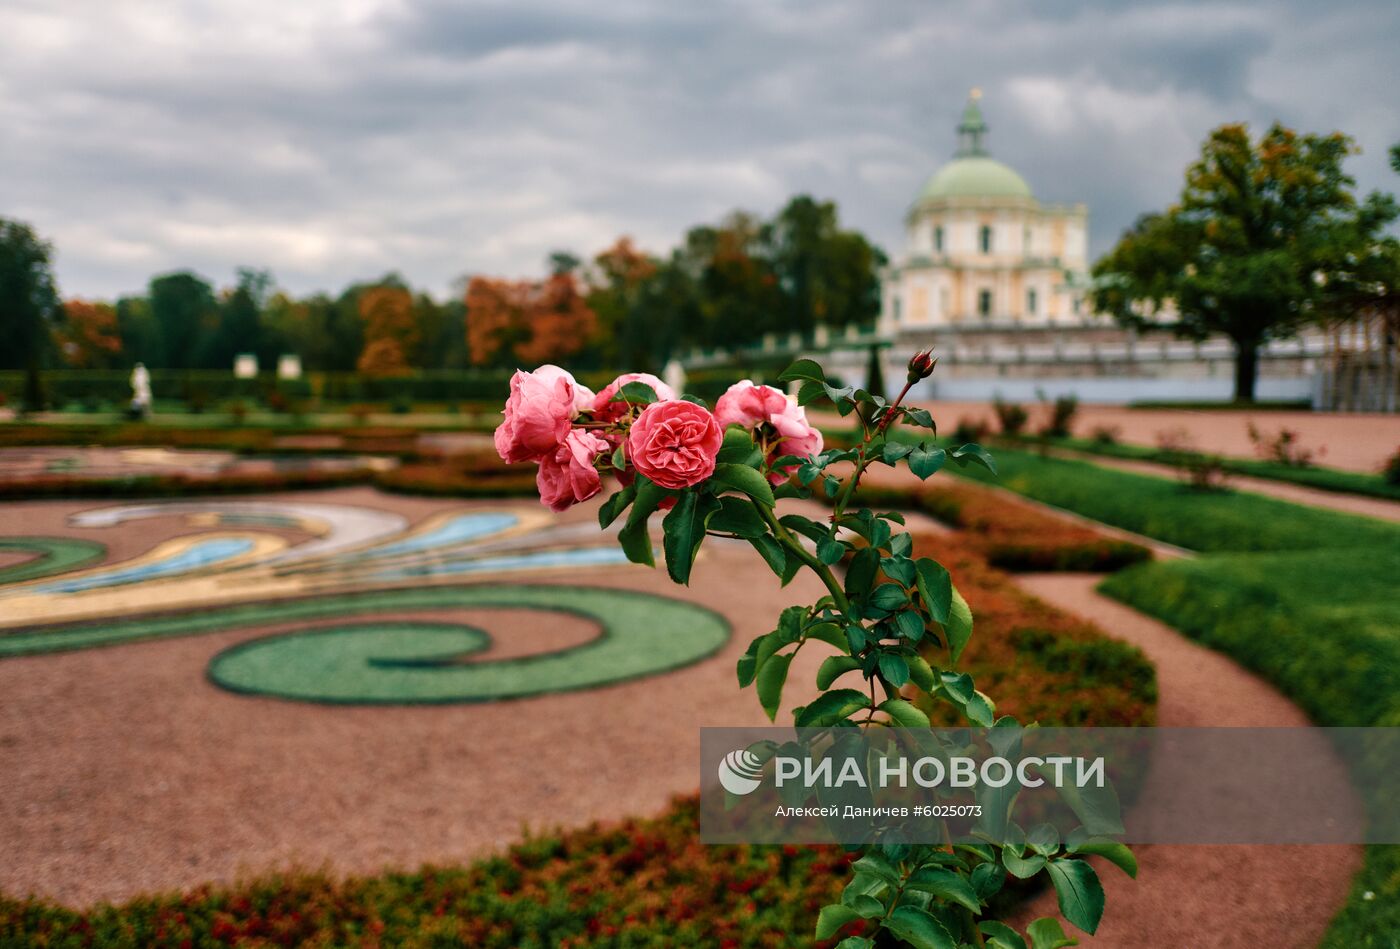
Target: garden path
{"x":1206,"y":897}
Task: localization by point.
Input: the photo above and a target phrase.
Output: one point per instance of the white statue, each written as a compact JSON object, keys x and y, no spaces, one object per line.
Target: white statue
{"x":140,"y":391}
{"x":674,"y":376}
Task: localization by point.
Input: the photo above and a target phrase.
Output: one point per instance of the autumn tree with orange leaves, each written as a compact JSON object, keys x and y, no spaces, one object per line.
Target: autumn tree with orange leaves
{"x":390,"y":330}
{"x":527,"y":321}
{"x":88,"y":337}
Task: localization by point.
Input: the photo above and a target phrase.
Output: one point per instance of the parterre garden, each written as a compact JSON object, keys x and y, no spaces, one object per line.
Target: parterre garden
{"x":649,"y":882}
{"x":1302,"y":596}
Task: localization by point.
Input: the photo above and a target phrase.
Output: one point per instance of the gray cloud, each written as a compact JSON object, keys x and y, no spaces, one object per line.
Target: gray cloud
{"x":332,"y":141}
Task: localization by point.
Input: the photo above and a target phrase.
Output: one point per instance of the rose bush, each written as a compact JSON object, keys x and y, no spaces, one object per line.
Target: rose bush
{"x":895,"y":619}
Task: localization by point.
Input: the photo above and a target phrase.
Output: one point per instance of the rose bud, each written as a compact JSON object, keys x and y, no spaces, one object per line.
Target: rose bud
{"x":921,"y":365}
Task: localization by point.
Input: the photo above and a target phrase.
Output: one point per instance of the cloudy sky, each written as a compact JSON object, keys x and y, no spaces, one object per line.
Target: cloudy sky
{"x":334,"y":140}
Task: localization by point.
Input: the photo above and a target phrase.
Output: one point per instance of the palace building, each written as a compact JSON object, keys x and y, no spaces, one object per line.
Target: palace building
{"x":980,"y":250}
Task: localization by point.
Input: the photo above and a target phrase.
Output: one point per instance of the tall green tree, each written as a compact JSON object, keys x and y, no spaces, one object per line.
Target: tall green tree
{"x":239,"y":327}
{"x":828,"y":276}
{"x":29,"y":305}
{"x":184,"y":308}
{"x":1255,"y":248}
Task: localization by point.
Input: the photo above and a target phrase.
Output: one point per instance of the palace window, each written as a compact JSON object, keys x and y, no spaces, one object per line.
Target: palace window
{"x":938,"y":239}
{"x":985,"y":239}
{"x":1030,"y":302}
{"x":984,"y":303}
{"x":897,"y":309}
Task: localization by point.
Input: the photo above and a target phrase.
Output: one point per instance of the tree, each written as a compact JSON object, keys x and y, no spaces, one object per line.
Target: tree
{"x":239,"y":322}
{"x":617,"y":283}
{"x":527,"y":322}
{"x":29,"y":305}
{"x":390,"y":332}
{"x":1253,"y":249}
{"x":828,"y":276}
{"x":184,"y":307}
{"x":89,"y":338}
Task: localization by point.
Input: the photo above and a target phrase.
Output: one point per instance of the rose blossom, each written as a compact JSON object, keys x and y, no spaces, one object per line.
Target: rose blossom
{"x":749,"y":405}
{"x":674,"y":443}
{"x":537,"y":414}
{"x":568,"y":476}
{"x":606,"y":410}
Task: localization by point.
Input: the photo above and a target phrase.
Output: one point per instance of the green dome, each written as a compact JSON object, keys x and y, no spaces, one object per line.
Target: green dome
{"x":975,"y":176}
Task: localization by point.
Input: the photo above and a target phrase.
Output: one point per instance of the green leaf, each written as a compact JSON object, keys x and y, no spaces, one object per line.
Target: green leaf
{"x":975,"y":453}
{"x":810,"y":392}
{"x":920,"y":672}
{"x":827,"y":633}
{"x":874,"y":862}
{"x":1114,"y":852}
{"x":805,"y":526}
{"x":925,"y":460}
{"x":904,"y":714}
{"x":807,"y":472}
{"x":635,"y":393}
{"x":833,"y":668}
{"x":830,"y":550}
{"x":867,"y":906}
{"x":860,"y":575}
{"x":737,"y":516}
{"x":770,"y":550}
{"x":616,"y":504}
{"x":894,"y":669}
{"x":987,"y":880}
{"x":831,"y":707}
{"x":900,"y":569}
{"x":803,"y":369}
{"x":1022,"y":867}
{"x":832,"y":917}
{"x":684,"y":530}
{"x":1047,"y":933}
{"x":855,"y":942}
{"x":944,"y":884}
{"x":1079,"y":892}
{"x":894,"y":451}
{"x":889,"y":597}
{"x":745,"y":479}
{"x":919,"y":417}
{"x":958,"y":627}
{"x":748,"y":663}
{"x":980,"y":710}
{"x":910,"y":624}
{"x":738,"y":448}
{"x":901,"y":545}
{"x":1044,"y":839}
{"x":1097,"y":808}
{"x":935,"y":588}
{"x":771,"y":677}
{"x":1001,"y":936}
{"x":918,"y":928}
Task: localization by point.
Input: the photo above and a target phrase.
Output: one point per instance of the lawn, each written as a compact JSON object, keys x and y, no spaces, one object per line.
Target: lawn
{"x":1303,"y":596}
{"x":1228,"y":521}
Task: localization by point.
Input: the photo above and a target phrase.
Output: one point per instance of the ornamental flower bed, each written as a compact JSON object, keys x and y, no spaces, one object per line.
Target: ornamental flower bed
{"x":723,"y":473}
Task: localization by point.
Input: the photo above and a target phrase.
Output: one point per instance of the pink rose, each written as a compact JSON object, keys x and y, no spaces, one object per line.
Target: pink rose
{"x":568,"y":476}
{"x":606,"y":410}
{"x":752,"y":406}
{"x":674,"y":443}
{"x":537,"y":414}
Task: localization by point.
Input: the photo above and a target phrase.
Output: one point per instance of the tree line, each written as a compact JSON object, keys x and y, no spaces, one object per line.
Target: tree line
{"x":724,"y":286}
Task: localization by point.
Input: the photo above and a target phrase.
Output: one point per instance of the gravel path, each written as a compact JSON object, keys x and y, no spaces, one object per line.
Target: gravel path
{"x":1206,"y":897}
